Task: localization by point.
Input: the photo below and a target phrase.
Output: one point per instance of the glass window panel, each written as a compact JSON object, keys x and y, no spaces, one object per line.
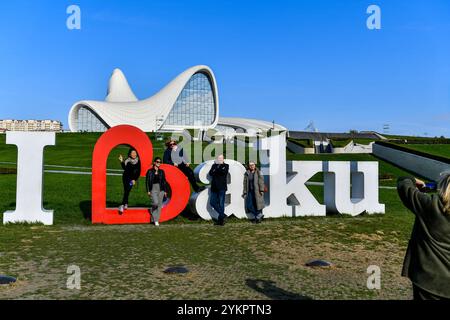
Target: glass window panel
{"x":89,"y":122}
{"x":195,"y":106}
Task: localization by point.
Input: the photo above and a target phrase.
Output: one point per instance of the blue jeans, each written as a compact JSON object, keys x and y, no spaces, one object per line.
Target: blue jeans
{"x":251,"y":205}
{"x":217,"y":201}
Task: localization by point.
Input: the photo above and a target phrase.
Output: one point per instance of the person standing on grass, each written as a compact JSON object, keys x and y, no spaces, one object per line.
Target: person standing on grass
{"x":219,"y":187}
{"x":131,"y":173}
{"x":175,"y":156}
{"x":254,"y":192}
{"x":156,"y":188}
{"x":427,"y":260}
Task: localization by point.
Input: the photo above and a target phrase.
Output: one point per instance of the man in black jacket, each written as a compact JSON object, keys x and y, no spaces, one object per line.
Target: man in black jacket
{"x":219,"y":175}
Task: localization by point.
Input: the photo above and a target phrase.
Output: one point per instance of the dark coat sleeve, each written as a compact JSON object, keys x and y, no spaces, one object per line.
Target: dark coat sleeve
{"x":136,"y":171}
{"x":245,"y":189}
{"x":167,"y":157}
{"x":222,"y":170}
{"x":416,"y":201}
{"x":148,"y":181}
{"x":213,"y":170}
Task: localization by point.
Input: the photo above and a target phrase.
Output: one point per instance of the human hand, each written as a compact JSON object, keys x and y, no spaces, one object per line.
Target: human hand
{"x":149,"y":193}
{"x":133,"y":182}
{"x":420,"y":184}
{"x":121,"y":158}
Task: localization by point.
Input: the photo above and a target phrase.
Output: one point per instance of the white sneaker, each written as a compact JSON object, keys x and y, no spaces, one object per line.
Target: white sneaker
{"x":121,"y":209}
{"x":157,"y":224}
{"x":125,"y":207}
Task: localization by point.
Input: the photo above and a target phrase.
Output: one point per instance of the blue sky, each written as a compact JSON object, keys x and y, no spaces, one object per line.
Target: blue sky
{"x":288,"y":61}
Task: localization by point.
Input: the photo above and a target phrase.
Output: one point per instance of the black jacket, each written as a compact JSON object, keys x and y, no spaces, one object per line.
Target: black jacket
{"x":167,"y":158}
{"x":171,"y":157}
{"x":131,"y":171}
{"x":149,"y":180}
{"x":427,"y":261}
{"x":219,"y":174}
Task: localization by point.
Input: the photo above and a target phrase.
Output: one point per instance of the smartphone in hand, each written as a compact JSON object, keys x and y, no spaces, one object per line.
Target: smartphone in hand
{"x":429,"y":187}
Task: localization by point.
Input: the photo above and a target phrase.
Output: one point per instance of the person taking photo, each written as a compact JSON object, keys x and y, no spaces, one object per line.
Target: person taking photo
{"x":427,"y":260}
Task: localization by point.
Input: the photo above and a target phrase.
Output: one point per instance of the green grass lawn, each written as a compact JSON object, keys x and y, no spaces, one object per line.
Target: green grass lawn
{"x":388,"y":172}
{"x":442,"y":150}
{"x":239,"y":261}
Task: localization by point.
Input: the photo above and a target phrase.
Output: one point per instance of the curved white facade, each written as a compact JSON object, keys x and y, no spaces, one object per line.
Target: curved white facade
{"x":190,"y":101}
{"x":122,"y":107}
{"x":250,"y":126}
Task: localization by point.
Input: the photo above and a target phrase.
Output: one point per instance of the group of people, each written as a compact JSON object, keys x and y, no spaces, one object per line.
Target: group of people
{"x":253,"y":194}
{"x":157,"y":186}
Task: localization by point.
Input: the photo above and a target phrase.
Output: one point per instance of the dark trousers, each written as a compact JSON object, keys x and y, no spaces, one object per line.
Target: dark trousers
{"x":189,"y":173}
{"x":217,"y":202}
{"x":126,"y":190}
{"x":421,"y":294}
{"x":251,"y":205}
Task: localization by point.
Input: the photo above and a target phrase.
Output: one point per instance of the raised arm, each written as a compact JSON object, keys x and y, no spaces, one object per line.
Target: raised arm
{"x":411,"y":196}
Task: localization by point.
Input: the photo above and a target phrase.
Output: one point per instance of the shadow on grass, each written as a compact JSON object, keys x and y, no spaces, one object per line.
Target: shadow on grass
{"x":189,"y":215}
{"x":269,"y":289}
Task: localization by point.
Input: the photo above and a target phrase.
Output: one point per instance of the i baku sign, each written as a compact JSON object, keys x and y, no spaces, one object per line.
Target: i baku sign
{"x":349,"y":187}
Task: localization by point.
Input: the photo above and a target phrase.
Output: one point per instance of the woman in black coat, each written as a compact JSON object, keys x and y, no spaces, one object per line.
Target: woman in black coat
{"x":131,"y":172}
{"x":427,"y":261}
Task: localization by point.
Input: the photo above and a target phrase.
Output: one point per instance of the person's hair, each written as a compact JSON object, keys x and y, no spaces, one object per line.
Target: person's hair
{"x":169,"y":142}
{"x":156,"y":159}
{"x":130,"y":151}
{"x":444,"y":192}
{"x":250,"y":162}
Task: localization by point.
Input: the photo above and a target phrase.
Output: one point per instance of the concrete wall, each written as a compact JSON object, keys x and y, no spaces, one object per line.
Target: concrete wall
{"x":299,"y":149}
{"x":354,"y":148}
{"x":422,"y":166}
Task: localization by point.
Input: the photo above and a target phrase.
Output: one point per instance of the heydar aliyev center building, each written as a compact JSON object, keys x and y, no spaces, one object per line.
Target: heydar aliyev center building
{"x":190,"y":101}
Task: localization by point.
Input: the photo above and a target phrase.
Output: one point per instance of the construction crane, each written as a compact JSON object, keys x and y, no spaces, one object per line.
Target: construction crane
{"x":311,"y":127}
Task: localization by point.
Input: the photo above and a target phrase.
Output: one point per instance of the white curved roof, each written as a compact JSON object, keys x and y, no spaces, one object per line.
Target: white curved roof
{"x":122,"y":107}
{"x":118,"y":89}
{"x":249,"y":125}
